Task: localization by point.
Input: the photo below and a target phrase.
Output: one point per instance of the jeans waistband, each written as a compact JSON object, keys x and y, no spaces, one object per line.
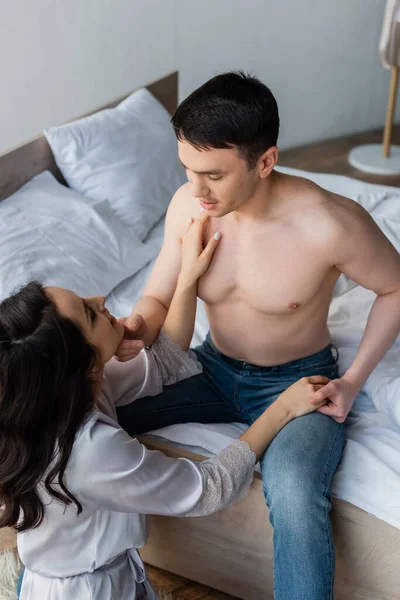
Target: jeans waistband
{"x":329,"y":354}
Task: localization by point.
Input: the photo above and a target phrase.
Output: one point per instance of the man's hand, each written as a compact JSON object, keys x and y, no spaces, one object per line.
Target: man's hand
{"x":340,"y":395}
{"x":132,"y":342}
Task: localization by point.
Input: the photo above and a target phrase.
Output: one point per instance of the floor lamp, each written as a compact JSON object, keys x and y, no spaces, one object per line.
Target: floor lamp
{"x":384,"y":159}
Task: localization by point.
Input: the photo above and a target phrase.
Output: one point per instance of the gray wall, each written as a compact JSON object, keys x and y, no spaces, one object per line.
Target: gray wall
{"x":60,"y":59}
{"x":320,"y":58}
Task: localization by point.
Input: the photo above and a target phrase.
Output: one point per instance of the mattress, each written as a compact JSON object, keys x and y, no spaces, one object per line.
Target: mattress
{"x":369,"y":473}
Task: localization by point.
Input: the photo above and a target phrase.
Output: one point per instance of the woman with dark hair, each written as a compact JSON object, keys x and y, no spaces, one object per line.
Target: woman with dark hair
{"x":72,"y":482}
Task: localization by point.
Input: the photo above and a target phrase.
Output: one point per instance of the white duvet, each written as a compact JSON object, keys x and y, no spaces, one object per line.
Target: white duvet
{"x":369,"y":473}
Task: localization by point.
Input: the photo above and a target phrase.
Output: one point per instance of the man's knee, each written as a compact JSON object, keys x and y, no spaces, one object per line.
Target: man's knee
{"x":297,"y":512}
{"x":295,"y":495}
{"x":300,"y":462}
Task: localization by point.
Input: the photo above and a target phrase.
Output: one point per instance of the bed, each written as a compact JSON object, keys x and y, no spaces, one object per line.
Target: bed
{"x":232,"y":550}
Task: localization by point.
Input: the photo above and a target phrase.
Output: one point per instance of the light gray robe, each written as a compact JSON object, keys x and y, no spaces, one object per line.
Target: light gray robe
{"x":94,"y":556}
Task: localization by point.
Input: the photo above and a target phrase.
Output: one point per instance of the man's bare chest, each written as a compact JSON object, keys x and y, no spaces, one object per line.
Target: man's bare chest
{"x":271,"y":274}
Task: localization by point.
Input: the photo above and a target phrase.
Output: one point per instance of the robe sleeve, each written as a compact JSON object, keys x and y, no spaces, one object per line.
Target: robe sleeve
{"x":163,"y":364}
{"x":112,"y":471}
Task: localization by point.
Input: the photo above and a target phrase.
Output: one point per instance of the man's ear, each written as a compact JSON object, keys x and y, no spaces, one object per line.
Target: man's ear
{"x":267,"y":161}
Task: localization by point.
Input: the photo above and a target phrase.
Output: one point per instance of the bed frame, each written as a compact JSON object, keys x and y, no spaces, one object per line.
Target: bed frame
{"x":232,"y":549}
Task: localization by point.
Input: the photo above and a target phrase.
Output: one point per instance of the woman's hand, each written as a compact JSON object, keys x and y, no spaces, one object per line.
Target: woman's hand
{"x":296,"y":399}
{"x":195,"y":257}
{"x":179,"y":324}
{"x":132,"y":343}
{"x":294,"y":402}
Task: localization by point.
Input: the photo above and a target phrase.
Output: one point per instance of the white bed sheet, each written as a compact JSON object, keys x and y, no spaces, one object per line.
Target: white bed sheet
{"x":369,"y":473}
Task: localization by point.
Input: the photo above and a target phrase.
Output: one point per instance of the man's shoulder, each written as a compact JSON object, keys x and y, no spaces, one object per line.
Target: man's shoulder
{"x":183,"y":205}
{"x":323,"y":203}
{"x":183,"y":195}
{"x":329,"y":216}
{"x":341,"y":212}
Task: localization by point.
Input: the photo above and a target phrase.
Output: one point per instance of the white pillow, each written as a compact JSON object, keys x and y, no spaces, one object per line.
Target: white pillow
{"x":50,"y":233}
{"x":127,"y":155}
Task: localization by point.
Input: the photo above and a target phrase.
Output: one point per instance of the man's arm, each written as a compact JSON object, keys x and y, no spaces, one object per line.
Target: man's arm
{"x":365,"y":255}
{"x":150,"y":311}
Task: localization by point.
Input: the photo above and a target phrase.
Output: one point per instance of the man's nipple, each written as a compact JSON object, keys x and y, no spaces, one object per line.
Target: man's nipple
{"x":294,"y":305}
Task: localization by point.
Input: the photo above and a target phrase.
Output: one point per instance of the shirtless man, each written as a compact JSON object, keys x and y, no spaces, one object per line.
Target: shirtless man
{"x":284,"y":242}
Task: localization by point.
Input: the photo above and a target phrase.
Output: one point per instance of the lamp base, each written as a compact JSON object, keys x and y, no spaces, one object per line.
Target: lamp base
{"x":369,"y":158}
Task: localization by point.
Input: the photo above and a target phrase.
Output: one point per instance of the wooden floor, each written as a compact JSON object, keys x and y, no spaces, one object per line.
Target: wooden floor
{"x":183,"y":589}
{"x":324,"y":157}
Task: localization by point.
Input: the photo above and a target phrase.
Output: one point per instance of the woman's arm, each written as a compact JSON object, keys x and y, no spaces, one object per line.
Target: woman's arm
{"x":112,"y":471}
{"x":146,"y":375}
{"x":227,"y":478}
{"x":179,"y":324}
{"x":293,"y":402}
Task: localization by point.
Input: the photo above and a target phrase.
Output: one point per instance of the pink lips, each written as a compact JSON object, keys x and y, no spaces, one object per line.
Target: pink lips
{"x":207,"y":205}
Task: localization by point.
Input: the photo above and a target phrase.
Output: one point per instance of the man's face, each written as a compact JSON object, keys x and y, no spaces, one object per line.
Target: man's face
{"x":219,"y":178}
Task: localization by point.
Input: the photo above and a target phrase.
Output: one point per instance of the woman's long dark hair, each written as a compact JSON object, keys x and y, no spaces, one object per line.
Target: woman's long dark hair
{"x":45,"y":394}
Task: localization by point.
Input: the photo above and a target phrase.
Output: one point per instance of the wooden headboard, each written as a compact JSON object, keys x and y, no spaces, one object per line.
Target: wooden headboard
{"x":20,"y":165}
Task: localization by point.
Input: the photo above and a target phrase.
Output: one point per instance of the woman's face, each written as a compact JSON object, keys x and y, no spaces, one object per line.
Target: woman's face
{"x":91,"y":316}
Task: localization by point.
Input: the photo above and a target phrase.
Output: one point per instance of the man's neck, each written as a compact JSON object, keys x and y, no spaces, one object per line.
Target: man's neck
{"x":262,"y":205}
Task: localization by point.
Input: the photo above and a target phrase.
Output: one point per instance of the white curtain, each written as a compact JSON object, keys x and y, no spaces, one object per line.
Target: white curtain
{"x":389,"y":46}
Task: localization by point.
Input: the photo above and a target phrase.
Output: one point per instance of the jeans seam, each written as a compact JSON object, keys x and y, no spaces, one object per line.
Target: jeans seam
{"x":327,"y":518}
{"x":236,"y":403}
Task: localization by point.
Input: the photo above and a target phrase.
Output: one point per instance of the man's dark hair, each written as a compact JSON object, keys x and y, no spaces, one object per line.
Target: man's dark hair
{"x":232,"y":109}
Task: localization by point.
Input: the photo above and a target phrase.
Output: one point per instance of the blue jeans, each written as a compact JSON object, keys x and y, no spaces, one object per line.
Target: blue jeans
{"x":297,"y":467}
{"x":20,"y":578}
